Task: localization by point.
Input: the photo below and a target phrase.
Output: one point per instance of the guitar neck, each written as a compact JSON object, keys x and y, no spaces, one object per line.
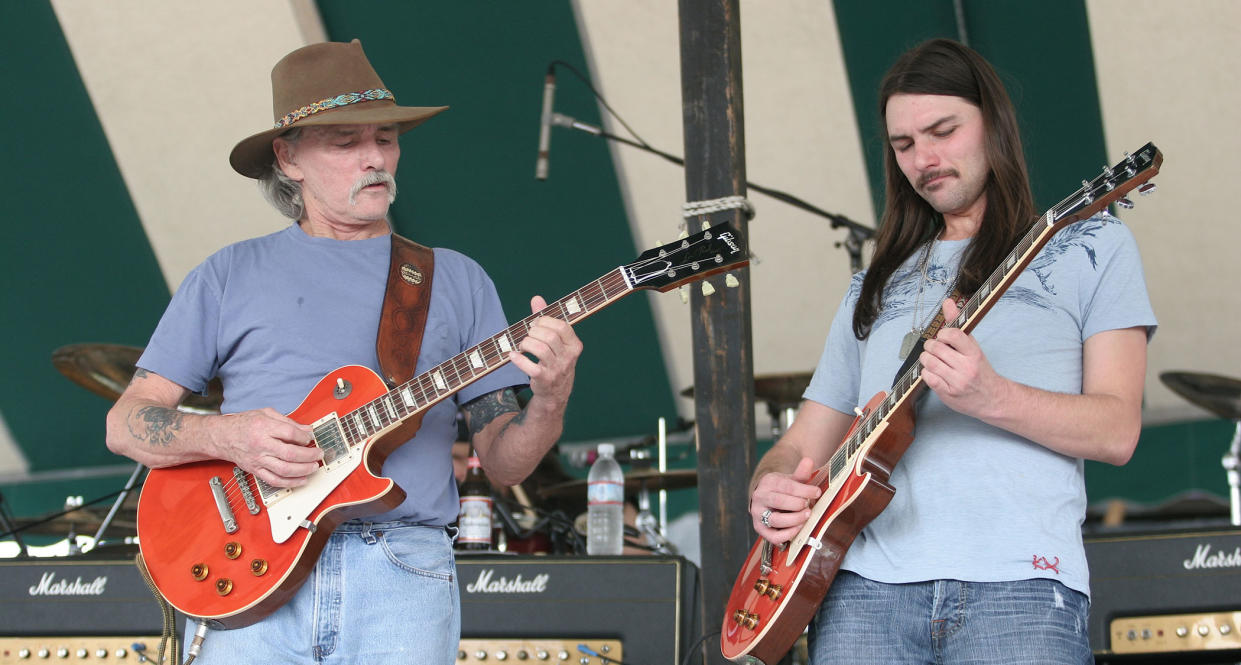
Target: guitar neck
{"x":447,"y":378}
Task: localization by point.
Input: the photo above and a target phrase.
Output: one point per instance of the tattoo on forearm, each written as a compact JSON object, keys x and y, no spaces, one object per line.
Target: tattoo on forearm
{"x":140,"y":373}
{"x":161,"y":424}
{"x":518,"y":420}
{"x":490,"y":406}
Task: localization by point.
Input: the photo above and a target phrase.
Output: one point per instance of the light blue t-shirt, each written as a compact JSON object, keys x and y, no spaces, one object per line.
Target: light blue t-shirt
{"x":974,"y":502}
{"x":272,"y":315}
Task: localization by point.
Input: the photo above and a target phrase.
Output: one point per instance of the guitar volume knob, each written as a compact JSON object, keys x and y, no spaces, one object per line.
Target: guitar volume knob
{"x":258,"y":567}
{"x":199,"y":571}
{"x":747,"y":619}
{"x":223,"y":586}
{"x":232,"y":549}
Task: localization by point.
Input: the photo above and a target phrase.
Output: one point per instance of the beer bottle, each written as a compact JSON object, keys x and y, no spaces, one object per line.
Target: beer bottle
{"x":474,"y":519}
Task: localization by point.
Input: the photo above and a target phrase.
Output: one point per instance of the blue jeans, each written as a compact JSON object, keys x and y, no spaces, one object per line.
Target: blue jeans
{"x":383,"y":593}
{"x":1038,"y":621}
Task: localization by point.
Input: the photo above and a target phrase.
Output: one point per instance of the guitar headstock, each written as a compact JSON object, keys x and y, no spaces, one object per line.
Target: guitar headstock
{"x":664,"y":268}
{"x":1111,"y":186}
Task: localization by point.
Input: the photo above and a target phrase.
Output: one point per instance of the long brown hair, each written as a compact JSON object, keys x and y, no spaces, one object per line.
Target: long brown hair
{"x":946,"y":67}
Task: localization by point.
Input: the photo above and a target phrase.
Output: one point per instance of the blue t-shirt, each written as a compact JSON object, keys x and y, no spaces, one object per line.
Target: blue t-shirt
{"x":272,"y":315}
{"x":974,"y":502}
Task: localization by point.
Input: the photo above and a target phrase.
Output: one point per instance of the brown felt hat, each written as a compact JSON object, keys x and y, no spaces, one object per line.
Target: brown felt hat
{"x":324,"y":84}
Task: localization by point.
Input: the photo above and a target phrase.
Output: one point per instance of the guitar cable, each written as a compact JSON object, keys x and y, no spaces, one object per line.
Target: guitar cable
{"x":169,"y":636}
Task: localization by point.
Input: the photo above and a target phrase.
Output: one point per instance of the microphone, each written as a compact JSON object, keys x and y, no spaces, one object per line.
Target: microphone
{"x":562,"y":120}
{"x":545,"y":123}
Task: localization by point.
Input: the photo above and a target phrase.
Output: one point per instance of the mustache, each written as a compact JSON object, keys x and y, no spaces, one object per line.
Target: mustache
{"x":373,"y":178}
{"x":931,"y":175}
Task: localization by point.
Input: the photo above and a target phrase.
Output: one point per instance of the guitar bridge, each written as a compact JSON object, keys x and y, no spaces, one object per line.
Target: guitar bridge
{"x":227,"y":517}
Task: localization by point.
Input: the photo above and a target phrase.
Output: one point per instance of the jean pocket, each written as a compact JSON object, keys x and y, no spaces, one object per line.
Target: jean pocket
{"x":420,"y":550}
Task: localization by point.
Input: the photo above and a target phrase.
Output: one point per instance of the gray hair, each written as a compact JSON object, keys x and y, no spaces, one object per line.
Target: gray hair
{"x":283,"y":192}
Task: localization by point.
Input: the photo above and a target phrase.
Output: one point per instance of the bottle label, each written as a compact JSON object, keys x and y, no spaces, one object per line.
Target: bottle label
{"x":474,"y":521}
{"x":605,"y":492}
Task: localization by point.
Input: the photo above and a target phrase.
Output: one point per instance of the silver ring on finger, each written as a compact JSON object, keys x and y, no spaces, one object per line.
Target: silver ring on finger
{"x":765,"y":518}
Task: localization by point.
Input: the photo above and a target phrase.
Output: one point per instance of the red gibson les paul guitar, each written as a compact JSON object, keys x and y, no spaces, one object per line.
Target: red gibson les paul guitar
{"x":224,"y":546}
{"x":779,"y":589}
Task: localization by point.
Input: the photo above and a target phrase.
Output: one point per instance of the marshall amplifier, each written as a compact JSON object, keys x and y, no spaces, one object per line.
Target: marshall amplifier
{"x":1160,"y":595}
{"x":643,"y":609}
{"x":85,"y":608}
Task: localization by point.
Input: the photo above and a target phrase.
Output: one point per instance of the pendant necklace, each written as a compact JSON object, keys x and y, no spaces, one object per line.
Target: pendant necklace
{"x":911,"y":338}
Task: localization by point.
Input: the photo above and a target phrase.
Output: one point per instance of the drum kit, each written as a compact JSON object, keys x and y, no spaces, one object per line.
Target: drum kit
{"x":103,"y":369}
{"x":106,"y":369}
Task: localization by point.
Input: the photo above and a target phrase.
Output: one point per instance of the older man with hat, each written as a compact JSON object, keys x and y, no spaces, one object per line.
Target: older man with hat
{"x":272,"y":315}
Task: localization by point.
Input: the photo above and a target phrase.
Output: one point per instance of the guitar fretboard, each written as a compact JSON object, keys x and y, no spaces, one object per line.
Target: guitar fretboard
{"x":442,"y":381}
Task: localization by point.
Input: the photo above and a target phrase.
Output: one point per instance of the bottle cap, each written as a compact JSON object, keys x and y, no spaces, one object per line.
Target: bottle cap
{"x":606,"y":449}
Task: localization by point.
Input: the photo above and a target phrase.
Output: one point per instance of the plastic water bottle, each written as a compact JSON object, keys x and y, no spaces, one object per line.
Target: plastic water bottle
{"x":605,"y":496}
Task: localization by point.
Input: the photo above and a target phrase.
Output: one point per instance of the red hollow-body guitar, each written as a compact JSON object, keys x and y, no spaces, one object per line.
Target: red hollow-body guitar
{"x":223,"y":546}
{"x":779,"y":589}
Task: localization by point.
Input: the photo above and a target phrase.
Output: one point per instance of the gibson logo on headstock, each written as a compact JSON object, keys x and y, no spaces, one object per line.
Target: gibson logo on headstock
{"x":728,"y":239}
{"x":1203,"y":558}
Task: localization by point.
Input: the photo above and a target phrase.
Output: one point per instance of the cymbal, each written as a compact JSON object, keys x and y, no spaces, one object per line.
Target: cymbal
{"x":634,"y":482}
{"x":106,"y":369}
{"x":1218,"y":394}
{"x":82,"y":521}
{"x":777,"y":389}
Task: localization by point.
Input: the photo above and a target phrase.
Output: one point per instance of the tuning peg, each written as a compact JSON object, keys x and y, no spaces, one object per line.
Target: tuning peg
{"x":707,"y":289}
{"x":1124,"y":202}
{"x":684,"y":291}
{"x":706,"y":225}
{"x":1146,"y":188}
{"x":730,"y":281}
{"x":684,"y":235}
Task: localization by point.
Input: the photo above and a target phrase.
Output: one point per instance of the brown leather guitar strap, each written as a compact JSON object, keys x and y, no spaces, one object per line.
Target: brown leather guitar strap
{"x":406,"y":302}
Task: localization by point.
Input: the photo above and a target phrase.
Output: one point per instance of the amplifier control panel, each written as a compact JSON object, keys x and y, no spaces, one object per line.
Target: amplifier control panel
{"x":112,"y":648}
{"x":1169,"y":633}
{"x":539,"y":651}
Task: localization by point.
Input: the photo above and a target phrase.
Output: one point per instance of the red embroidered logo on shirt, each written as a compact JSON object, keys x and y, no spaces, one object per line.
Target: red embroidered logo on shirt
{"x":1041,"y":563}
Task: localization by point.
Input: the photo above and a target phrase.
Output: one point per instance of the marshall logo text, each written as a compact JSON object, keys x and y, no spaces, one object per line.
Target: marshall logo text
{"x":484,"y":583}
{"x":1204,"y":558}
{"x":50,"y":586}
